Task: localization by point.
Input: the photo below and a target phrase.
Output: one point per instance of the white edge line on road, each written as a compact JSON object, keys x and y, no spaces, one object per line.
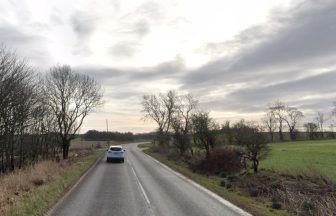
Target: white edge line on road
{"x":141,"y":187}
{"x":210,"y":193}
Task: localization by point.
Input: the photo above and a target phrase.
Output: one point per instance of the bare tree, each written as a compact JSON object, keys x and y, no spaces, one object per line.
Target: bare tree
{"x":320,"y":120}
{"x":160,"y":109}
{"x":292,"y":118}
{"x":311,"y":129}
{"x":228,"y":134}
{"x":71,"y":97}
{"x":270,"y":123}
{"x":278,"y":109}
{"x":17,"y":97}
{"x":181,"y":122}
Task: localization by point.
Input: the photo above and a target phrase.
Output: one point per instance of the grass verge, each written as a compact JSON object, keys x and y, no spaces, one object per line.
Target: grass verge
{"x":213,"y":184}
{"x":39,"y":199}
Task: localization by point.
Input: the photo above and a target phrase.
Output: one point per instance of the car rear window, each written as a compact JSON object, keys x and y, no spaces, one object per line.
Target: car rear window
{"x":115,"y":149}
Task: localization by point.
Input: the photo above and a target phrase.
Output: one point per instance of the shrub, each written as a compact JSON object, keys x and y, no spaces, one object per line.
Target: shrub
{"x":222,"y":183}
{"x":254,"y":192}
{"x":308,"y":206}
{"x":223,"y":174}
{"x":38,"y":181}
{"x":275,"y":185}
{"x":232,"y":178}
{"x":228,"y":185}
{"x":223,"y":161}
{"x":275,"y":204}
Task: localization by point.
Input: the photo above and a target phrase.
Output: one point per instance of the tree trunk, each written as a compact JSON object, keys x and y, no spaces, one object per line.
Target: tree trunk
{"x":292,"y":135}
{"x":272,"y":136}
{"x":255,"y":165}
{"x":65,"y":146}
{"x":280,"y":132}
{"x":207,"y":151}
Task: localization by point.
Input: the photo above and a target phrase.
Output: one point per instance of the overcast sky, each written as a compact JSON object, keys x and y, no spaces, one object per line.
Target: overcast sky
{"x":236,"y":56}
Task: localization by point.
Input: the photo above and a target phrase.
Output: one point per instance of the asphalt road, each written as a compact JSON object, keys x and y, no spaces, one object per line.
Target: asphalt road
{"x":140,"y":186}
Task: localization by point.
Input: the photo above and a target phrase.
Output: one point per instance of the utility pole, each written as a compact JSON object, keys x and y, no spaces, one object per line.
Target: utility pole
{"x":106,"y":125}
{"x":108,"y":139}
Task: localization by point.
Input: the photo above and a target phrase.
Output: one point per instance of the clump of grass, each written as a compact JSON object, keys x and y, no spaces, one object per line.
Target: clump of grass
{"x":15,"y":186}
{"x":276,"y":204}
{"x":222,"y":183}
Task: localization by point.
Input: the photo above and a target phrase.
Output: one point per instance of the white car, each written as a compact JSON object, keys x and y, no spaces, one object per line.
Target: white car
{"x":115,"y":153}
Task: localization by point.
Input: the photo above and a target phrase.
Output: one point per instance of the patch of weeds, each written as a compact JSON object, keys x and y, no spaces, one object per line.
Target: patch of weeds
{"x":308,"y":206}
{"x":38,"y":181}
{"x":223,"y":174}
{"x":222,"y":183}
{"x":275,"y":204}
{"x":275,"y":185}
{"x":254,"y":192}
{"x":232,"y":178}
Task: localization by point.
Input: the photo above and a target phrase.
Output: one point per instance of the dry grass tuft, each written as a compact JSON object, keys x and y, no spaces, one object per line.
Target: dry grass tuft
{"x":15,"y":186}
{"x":23,"y":183}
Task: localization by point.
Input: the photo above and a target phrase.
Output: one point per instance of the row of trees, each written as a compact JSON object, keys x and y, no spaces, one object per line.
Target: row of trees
{"x":40,"y":114}
{"x":95,"y":135}
{"x":183,"y":126}
{"x":280,"y":116}
{"x":186,"y":128}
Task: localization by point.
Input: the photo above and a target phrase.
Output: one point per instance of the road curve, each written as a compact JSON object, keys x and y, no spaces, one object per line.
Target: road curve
{"x":139,"y":187}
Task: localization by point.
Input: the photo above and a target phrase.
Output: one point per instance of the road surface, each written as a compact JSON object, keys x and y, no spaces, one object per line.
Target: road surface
{"x":139,"y":187}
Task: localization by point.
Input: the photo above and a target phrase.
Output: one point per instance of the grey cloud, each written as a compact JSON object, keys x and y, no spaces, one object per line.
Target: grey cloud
{"x":130,"y":76}
{"x":84,"y":26}
{"x":284,"y":59}
{"x":101,"y":73}
{"x":139,"y":21}
{"x":25,"y":44}
{"x":322,"y":83}
{"x":303,"y":38}
{"x":141,"y":28}
{"x":124,"y":49}
{"x":296,"y":93}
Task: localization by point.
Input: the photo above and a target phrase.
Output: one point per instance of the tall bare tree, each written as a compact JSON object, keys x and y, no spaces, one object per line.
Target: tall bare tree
{"x":270,"y":123}
{"x":292,"y":118}
{"x":71,"y":97}
{"x":160,"y":109}
{"x":320,"y":120}
{"x":278,"y":109}
{"x":181,"y":122}
{"x":311,"y":129}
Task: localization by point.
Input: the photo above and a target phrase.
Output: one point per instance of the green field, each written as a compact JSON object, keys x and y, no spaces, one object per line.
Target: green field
{"x":317,"y":157}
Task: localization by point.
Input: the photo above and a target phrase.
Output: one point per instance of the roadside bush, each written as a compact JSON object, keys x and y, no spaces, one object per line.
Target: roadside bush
{"x":275,"y":185}
{"x":254,"y":192}
{"x":223,"y":174}
{"x":308,"y":206}
{"x":222,"y":183}
{"x":232,"y":178}
{"x":276,"y":205}
{"x":222,"y":161}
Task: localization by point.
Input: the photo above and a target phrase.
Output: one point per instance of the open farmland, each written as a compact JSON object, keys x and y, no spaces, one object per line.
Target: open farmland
{"x":312,"y":157}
